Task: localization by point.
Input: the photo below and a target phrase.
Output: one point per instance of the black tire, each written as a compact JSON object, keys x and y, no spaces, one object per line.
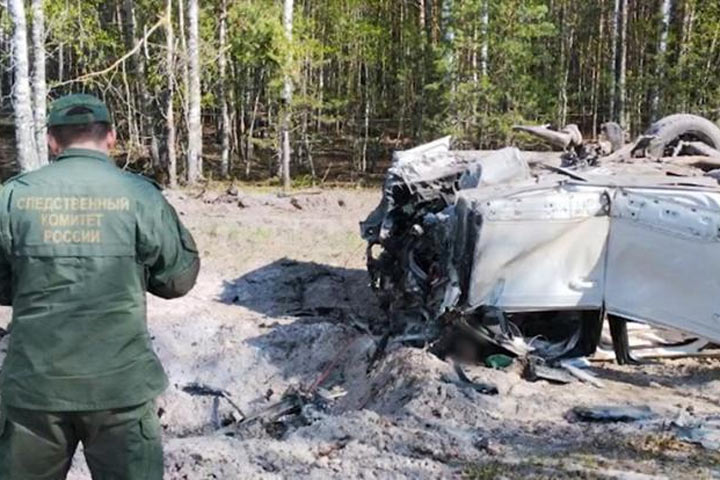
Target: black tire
{"x":666,"y":130}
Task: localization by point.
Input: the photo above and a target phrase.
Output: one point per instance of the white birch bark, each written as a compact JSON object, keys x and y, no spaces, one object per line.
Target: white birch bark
{"x":622,"y":67}
{"x":24,"y":122}
{"x":287,"y":98}
{"x":614,"y":47}
{"x":665,"y":10}
{"x":225,"y":132}
{"x":194,"y":153}
{"x":185,"y":71}
{"x":485,"y":48}
{"x":170,"y":111}
{"x":39,"y":85}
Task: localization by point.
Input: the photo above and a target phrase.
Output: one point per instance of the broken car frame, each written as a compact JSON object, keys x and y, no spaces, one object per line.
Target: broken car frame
{"x":529,"y":252}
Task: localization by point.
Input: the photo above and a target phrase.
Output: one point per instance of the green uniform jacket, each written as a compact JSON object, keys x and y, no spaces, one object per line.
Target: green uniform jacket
{"x":81,"y":241}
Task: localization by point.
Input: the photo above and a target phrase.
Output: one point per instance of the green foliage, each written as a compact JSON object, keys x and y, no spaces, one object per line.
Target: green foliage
{"x":415,"y":75}
{"x":257,"y":37}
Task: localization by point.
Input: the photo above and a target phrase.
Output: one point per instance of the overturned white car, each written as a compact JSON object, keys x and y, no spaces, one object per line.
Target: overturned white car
{"x":499,"y":246}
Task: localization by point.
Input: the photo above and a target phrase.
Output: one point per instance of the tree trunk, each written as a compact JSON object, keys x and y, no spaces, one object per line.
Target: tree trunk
{"x":194,"y":153}
{"x":366,"y":119}
{"x":4,"y":47}
{"x":225,"y":132}
{"x":39,"y":86}
{"x":170,"y":138}
{"x":185,"y":61}
{"x":622,"y":67}
{"x":688,"y":23}
{"x":597,"y":68}
{"x":614,"y":47}
{"x":485,"y":22}
{"x":660,"y":63}
{"x":129,"y":36}
{"x":567,"y":43}
{"x":287,"y":97}
{"x":24,"y":131}
{"x":146,"y":126}
{"x":249,"y":147}
{"x":307,"y":150}
{"x":236,"y":116}
{"x":61,"y":62}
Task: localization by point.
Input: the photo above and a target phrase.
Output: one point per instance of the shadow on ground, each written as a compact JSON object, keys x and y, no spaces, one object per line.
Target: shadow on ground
{"x":309,"y":311}
{"x":668,"y":373}
{"x":291,"y":288}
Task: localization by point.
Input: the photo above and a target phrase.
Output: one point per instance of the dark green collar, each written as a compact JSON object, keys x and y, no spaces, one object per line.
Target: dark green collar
{"x":83,"y":152}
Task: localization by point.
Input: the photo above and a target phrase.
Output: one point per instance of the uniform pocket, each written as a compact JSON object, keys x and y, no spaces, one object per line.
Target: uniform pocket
{"x":188,"y":242}
{"x":150,"y":450}
{"x":150,"y":426}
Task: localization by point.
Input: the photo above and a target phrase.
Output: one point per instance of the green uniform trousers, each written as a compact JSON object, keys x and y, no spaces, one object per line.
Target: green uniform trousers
{"x":119,"y":444}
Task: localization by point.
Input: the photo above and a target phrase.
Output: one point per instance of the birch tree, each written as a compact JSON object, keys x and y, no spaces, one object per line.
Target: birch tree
{"x":665,"y":10}
{"x":614,"y":55}
{"x":169,"y":109}
{"x":39,"y":86}
{"x":194,"y":153}
{"x":225,"y":127}
{"x":621,"y":71}
{"x":485,"y":37}
{"x":287,"y":96}
{"x":358,"y":78}
{"x":22,"y":103}
{"x":185,"y":61}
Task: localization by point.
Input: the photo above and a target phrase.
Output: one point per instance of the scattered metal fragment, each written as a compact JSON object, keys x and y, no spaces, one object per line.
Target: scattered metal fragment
{"x":535,"y":371}
{"x":202,"y":390}
{"x":332,"y":394}
{"x":648,"y":342}
{"x":290,"y":403}
{"x":620,"y":340}
{"x":581,"y":374}
{"x":578,"y":362}
{"x":484,"y":388}
{"x":300,"y":400}
{"x":566,"y":138}
{"x":612,"y":413}
{"x":294,"y":402}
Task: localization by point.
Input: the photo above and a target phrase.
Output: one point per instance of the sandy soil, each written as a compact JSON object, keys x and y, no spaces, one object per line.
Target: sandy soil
{"x":281,"y":302}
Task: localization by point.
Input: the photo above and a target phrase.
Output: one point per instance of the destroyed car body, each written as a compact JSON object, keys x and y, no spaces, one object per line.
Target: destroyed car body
{"x":511,"y":248}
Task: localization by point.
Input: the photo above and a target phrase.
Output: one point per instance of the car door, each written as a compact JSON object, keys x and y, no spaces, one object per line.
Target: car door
{"x":663,"y":259}
{"x":541,"y":250}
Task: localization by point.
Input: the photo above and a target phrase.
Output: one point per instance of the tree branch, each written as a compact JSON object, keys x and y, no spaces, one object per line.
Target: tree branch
{"x":119,"y":61}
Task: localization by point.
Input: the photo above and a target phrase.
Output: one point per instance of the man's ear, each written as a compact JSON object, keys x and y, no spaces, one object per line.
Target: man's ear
{"x":53,"y":145}
{"x":111,"y":139}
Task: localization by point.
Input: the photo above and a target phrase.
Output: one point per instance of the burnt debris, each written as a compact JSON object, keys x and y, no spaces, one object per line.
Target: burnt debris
{"x":475,"y":253}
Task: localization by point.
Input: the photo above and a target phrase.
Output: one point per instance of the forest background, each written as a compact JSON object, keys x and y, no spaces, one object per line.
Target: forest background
{"x":309,"y":90}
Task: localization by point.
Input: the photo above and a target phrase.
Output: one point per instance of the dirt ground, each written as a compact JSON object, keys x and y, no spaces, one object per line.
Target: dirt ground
{"x":281,"y":303}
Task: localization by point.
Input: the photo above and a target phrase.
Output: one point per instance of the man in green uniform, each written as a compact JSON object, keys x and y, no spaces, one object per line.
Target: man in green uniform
{"x":81,"y":241}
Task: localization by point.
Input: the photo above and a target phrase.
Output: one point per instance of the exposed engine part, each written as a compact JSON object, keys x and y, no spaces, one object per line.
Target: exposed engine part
{"x":520,"y":258}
